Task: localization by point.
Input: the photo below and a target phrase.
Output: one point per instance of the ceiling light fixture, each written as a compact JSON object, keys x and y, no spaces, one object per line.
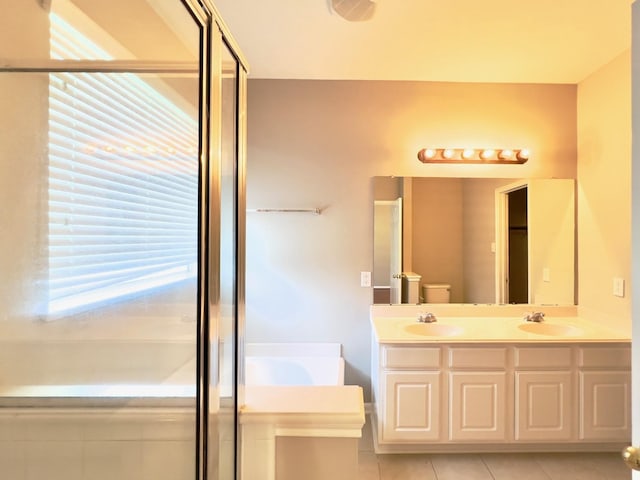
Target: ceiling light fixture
{"x":470,"y":155}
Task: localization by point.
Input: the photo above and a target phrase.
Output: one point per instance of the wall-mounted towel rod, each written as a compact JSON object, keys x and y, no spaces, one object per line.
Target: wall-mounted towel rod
{"x":315,"y":211}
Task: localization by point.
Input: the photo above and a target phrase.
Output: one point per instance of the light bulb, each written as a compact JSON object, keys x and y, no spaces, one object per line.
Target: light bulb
{"x":429,"y":153}
{"x":523,"y":154}
{"x":506,"y":154}
{"x":487,"y":154}
{"x":468,"y":153}
{"x":448,"y":153}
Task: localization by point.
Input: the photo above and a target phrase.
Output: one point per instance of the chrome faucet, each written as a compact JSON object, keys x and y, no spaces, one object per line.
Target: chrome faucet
{"x":427,"y":317}
{"x":534,"y":317}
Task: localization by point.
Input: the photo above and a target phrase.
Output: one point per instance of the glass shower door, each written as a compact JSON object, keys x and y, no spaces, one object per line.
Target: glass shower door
{"x":102,"y":140}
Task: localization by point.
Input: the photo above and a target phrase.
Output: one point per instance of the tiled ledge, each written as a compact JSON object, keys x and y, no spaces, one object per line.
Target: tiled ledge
{"x":333,"y":415}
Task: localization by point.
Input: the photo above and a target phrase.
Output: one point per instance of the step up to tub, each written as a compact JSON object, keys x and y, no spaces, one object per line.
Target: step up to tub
{"x":284,"y":428}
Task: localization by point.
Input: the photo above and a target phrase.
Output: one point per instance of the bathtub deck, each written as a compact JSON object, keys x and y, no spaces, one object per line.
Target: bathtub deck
{"x":277,"y":420}
{"x":288,"y":406}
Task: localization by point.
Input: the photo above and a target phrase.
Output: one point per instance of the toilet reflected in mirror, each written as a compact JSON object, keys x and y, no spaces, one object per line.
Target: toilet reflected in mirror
{"x":436,"y":293}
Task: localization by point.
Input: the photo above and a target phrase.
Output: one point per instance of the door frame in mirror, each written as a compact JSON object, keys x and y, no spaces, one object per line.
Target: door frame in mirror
{"x":502,"y":242}
{"x":551,"y":265}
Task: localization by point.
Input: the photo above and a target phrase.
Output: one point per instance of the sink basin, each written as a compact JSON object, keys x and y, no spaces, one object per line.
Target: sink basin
{"x":433,"y":329}
{"x":551,"y":329}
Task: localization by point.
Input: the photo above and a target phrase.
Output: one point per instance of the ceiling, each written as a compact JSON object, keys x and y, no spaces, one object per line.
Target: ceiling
{"x":520,"y":41}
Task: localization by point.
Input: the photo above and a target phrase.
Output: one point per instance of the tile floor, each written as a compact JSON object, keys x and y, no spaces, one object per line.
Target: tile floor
{"x":508,"y":466}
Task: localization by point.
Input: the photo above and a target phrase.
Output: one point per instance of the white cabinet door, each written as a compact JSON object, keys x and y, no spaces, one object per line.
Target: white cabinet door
{"x":606,"y":408}
{"x":412,"y":409}
{"x":543,"y":406}
{"x":477,"y":406}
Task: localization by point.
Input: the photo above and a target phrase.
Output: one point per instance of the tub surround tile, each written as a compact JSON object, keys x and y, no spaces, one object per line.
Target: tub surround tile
{"x":315,"y":458}
{"x":12,"y":460}
{"x":109,"y":429}
{"x":168,"y":460}
{"x":54,"y":460}
{"x":171,"y":427}
{"x":50,"y":428}
{"x":109,"y":460}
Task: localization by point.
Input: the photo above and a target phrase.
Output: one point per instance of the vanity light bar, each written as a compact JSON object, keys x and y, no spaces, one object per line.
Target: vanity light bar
{"x":473,"y":155}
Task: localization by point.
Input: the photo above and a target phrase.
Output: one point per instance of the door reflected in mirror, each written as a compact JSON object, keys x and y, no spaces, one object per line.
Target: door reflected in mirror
{"x":491,"y":240}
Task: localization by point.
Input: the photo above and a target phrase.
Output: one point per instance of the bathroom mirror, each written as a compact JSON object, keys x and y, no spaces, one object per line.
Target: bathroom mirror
{"x":492,"y":240}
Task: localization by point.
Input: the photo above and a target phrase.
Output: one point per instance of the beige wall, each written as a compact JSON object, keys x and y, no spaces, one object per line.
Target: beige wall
{"x":318,"y":143}
{"x":479,"y":233}
{"x":551,"y":231}
{"x":437,"y":229}
{"x":604,"y":191}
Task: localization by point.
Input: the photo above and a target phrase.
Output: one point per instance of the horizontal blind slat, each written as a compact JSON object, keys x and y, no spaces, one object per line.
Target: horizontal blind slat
{"x":123,"y":183}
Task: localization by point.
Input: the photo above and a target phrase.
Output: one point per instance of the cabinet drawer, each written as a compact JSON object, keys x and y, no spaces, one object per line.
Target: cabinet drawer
{"x":549,"y":357}
{"x":607,"y":357}
{"x":480,"y":358}
{"x":411,"y":357}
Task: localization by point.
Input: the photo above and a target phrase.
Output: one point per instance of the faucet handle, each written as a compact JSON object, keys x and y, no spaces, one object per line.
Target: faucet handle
{"x":534,"y":317}
{"x":427,"y":317}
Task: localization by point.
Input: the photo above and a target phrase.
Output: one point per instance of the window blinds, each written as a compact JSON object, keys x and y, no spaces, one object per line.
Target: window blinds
{"x":123,"y":183}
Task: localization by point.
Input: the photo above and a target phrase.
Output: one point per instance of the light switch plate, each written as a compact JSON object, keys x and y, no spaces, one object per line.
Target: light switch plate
{"x":546,"y":274}
{"x":618,"y":287}
{"x":365,"y":279}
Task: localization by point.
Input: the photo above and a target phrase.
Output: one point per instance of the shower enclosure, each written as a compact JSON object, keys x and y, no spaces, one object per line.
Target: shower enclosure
{"x":122,"y":245}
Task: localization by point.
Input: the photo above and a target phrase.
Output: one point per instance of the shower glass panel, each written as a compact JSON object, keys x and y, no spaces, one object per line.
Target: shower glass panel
{"x":99,"y":296}
{"x":100,"y":210}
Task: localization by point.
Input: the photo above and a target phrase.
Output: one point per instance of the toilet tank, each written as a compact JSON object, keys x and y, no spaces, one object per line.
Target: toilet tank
{"x":436,"y":292}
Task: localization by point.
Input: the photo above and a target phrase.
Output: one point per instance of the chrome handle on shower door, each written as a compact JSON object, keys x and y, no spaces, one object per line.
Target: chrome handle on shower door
{"x":631,"y":456}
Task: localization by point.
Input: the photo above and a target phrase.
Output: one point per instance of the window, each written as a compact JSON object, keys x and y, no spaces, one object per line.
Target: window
{"x":123,"y":182}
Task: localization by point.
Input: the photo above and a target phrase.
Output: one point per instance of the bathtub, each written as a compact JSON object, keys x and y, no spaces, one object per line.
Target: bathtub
{"x":294,"y":364}
{"x":296,"y":401}
{"x":96,"y":402}
{"x":156,"y":372}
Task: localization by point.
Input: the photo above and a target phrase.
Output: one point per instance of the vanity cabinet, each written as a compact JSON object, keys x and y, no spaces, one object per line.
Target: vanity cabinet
{"x":412,"y":411}
{"x":489,"y":397}
{"x":412,"y":384}
{"x":544,"y":393}
{"x":477,"y":393}
{"x":605,"y":393}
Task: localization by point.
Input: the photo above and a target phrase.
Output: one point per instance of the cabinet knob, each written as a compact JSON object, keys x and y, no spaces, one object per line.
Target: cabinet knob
{"x":631,"y":456}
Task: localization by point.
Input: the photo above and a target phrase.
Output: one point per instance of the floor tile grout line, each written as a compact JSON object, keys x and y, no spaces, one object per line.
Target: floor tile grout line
{"x":433,"y":468}
{"x":536,"y":458}
{"x":487,"y":467}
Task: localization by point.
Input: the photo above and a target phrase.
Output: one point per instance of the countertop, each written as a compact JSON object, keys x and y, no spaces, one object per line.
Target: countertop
{"x":487,"y":329}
